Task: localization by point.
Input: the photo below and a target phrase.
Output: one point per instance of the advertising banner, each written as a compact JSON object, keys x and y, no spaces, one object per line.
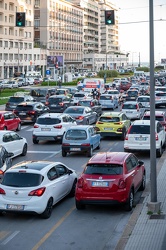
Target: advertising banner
{"x":55,"y":61}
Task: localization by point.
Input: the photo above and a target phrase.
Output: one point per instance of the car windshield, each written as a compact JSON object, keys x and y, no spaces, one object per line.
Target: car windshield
{"x":140,"y":129}
{"x":38,"y":92}
{"x":76,"y":134}
{"x":109,"y":119}
{"x":129,"y":106}
{"x":16,"y":99}
{"x":48,"y":121}
{"x":55,"y":100}
{"x":22,"y":179}
{"x":74,"y":110}
{"x":105,"y":169}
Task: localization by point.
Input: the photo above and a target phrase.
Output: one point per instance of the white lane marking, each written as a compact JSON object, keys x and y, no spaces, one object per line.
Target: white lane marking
{"x":10,"y":238}
{"x":44,"y":152}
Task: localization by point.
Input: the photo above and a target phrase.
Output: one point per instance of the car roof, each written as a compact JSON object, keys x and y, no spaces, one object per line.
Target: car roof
{"x":80,"y":127}
{"x":3,"y":132}
{"x":142,"y":122}
{"x":109,"y":157}
{"x":114,"y":113}
{"x":52,"y":115}
{"x":157,"y":112}
{"x":28,"y":103}
{"x":131,"y":102}
{"x":57,"y":96}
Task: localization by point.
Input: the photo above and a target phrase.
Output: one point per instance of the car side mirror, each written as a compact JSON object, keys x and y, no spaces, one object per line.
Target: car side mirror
{"x":9,"y":154}
{"x":140,"y":163}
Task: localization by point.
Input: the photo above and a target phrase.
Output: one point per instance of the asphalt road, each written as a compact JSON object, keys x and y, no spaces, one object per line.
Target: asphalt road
{"x":96,"y":227}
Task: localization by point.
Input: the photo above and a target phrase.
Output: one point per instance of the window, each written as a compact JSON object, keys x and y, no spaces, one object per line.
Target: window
{"x":140,"y":129}
{"x":106,"y":169}
{"x":61,"y":170}
{"x":22,"y":179}
{"x":52,"y":174}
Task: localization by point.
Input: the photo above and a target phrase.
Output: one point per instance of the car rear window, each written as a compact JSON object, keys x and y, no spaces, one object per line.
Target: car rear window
{"x":22,"y":179}
{"x":160,"y":94}
{"x":158,"y":118}
{"x":76,"y":134}
{"x":79,"y":95}
{"x":139,"y":129}
{"x":24,"y":107}
{"x":106,"y":169}
{"x":16,"y":99}
{"x":143,"y":99}
{"x":129,"y":106}
{"x":74,"y":110}
{"x":55,"y":100}
{"x":85,"y":103}
{"x":109,"y":119}
{"x":48,"y":121}
{"x":132,"y":93}
{"x":104,"y":97}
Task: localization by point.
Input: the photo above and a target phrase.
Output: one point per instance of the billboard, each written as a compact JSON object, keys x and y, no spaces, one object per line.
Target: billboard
{"x":163,"y":61}
{"x":55,"y":61}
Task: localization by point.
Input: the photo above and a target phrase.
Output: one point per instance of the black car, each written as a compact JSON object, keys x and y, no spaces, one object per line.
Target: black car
{"x":29,"y":111}
{"x":93,"y":104}
{"x":5,"y":160}
{"x":58,"y":103}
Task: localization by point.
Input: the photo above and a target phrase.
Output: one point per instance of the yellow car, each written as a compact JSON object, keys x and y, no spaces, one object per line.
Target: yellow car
{"x":113,"y":124}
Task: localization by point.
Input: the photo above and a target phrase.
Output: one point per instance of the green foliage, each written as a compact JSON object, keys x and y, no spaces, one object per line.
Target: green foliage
{"x":145,"y":69}
{"x":159,"y":67}
{"x":109,"y":73}
{"x":73,"y":83}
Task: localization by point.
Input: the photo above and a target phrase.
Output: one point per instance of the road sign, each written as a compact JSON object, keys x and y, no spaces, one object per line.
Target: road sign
{"x":48,"y":72}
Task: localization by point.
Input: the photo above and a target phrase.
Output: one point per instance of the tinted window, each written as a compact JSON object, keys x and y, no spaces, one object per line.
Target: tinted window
{"x":79,"y":95}
{"x":132,"y":93}
{"x":48,"y":121}
{"x":140,"y":129}
{"x":74,"y":110}
{"x":143,"y":99}
{"x":38,"y":92}
{"x":16,"y":99}
{"x":24,"y":107}
{"x":22,"y":179}
{"x":76,"y":134}
{"x":129,"y":106}
{"x":105,"y":97}
{"x":160,"y":94}
{"x":85,"y":103}
{"x":55,"y":100}
{"x":107,"y":169}
{"x":109,"y":119}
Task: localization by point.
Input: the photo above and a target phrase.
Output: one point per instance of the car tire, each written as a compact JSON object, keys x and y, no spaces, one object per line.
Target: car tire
{"x":35,"y":141}
{"x":90,"y":152}
{"x":19,"y":127}
{"x":123,"y":134}
{"x":159,"y":151}
{"x":73,"y":189}
{"x":64,"y":153}
{"x":143,"y":183}
{"x":48,"y":210}
{"x":79,"y":206}
{"x":130,"y":200}
{"x":5,"y":128}
{"x":98,"y":147}
{"x":24,"y":150}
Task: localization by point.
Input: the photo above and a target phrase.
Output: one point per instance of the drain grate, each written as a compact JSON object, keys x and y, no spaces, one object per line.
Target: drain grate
{"x":157,"y":216}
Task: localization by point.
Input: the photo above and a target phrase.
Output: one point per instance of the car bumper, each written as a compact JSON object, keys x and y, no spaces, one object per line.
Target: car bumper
{"x":52,"y":137}
{"x":73,"y":148}
{"x":113,"y":134}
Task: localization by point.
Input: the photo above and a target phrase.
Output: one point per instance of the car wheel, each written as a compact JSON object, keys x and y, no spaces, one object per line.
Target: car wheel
{"x":35,"y":141}
{"x":19,"y":127}
{"x":159,"y":151}
{"x":90,"y":152}
{"x":64,"y":153}
{"x":143,"y":184}
{"x":79,"y":206}
{"x":24,"y":151}
{"x":129,"y":203}
{"x":48,"y":211}
{"x":125,"y":150}
{"x":5,"y":128}
{"x":72,"y":192}
{"x":123,"y":134}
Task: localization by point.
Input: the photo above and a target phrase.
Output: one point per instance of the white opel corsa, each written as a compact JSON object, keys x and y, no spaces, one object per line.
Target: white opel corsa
{"x":35,"y":186}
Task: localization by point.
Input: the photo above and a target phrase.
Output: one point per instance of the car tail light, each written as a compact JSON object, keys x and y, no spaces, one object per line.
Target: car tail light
{"x":65,"y":144}
{"x":85,"y":144}
{"x":47,"y":103}
{"x":1,"y":172}
{"x":99,"y":123}
{"x":2,"y":191}
{"x":80,"y":117}
{"x":91,"y":104}
{"x":80,"y":183}
{"x":7,"y":104}
{"x":121,"y":183}
{"x":61,"y":104}
{"x":36,"y":126}
{"x":118,"y":123}
{"x":31,"y":112}
{"x":15,"y":111}
{"x":157,"y":137}
{"x":37,"y":192}
{"x":119,"y":129}
{"x":58,"y":126}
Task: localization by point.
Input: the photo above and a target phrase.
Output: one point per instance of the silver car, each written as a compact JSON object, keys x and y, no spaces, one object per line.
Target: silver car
{"x":133,"y":110}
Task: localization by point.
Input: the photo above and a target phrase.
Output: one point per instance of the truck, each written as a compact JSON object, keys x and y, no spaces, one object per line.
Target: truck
{"x":88,"y":84}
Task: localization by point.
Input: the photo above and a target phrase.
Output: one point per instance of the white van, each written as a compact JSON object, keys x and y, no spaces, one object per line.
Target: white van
{"x":89,"y":84}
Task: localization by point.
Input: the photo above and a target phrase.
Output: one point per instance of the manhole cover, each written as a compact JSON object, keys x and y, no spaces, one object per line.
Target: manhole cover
{"x":157,"y":216}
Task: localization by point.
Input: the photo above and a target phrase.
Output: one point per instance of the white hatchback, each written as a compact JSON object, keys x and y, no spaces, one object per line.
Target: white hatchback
{"x":36,"y":186}
{"x":138,"y":137}
{"x":133,"y":110}
{"x":51,"y":127}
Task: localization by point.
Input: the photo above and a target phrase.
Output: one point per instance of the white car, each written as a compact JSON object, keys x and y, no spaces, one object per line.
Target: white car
{"x":13,"y":142}
{"x":138,"y":137}
{"x":51,"y":127}
{"x":36,"y":186}
{"x":80,"y":96}
{"x":145,"y":101}
{"x":133,"y":110}
{"x":11,"y":84}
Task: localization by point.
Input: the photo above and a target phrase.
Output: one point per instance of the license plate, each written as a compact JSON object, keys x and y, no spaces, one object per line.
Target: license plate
{"x":45,"y":129}
{"x":108,"y":128}
{"x":100,"y":184}
{"x":140,"y":138}
{"x":14,"y":207}
{"x":22,"y":113}
{"x":75,"y":149}
{"x":129,"y":112}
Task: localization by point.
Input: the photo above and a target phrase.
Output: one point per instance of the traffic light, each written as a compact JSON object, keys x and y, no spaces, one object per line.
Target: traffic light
{"x":109,"y":17}
{"x":20,"y":19}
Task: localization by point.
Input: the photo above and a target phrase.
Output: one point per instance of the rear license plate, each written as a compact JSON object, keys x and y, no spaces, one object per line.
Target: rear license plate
{"x":140,"y":138}
{"x":108,"y":128}
{"x":100,"y":184}
{"x":22,"y":113}
{"x":75,"y":149}
{"x":14,"y":207}
{"x":45,"y":129}
{"x":129,"y":112}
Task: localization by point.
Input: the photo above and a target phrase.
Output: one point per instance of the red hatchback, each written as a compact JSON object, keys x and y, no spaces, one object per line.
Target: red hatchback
{"x":9,"y":121}
{"x":110,"y":178}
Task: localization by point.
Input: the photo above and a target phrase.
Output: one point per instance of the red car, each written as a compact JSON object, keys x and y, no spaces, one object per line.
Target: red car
{"x":159,"y":116}
{"x":9,"y":121}
{"x":110,"y":178}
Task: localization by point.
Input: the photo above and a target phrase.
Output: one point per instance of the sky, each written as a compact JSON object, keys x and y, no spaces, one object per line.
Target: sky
{"x":134,"y":29}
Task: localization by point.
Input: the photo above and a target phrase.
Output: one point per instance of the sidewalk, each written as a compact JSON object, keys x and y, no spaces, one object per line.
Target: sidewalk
{"x":143,"y":231}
